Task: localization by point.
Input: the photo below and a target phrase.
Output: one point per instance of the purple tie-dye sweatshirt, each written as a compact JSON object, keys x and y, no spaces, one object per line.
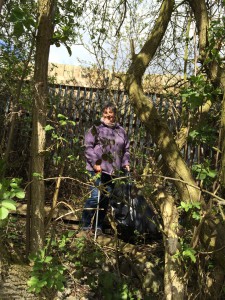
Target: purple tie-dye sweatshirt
{"x":108,"y":147}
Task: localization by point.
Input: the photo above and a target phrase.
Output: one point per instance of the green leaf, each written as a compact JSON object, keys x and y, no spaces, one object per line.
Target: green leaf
{"x":14,"y":185}
{"x":60,"y":116}
{"x":35,"y":285}
{"x":48,"y":127}
{"x":70,"y":234}
{"x":212,"y":173}
{"x":3,"y":213}
{"x":18,"y":29}
{"x":48,"y":259}
{"x":197,"y":205}
{"x":60,"y":286}
{"x":196,"y":215}
{"x":33,"y":281}
{"x":20,"y":194}
{"x":71,"y":157}
{"x":63,"y":122}
{"x":201,"y":176}
{"x":9,"y":204}
{"x":72,"y":122}
{"x":37,"y":175}
{"x":7,"y":195}
{"x":193,"y":133}
{"x":190,"y":253}
{"x":185,"y":206}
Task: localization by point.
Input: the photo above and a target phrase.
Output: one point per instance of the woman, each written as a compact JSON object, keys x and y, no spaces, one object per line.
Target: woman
{"x":107,"y":154}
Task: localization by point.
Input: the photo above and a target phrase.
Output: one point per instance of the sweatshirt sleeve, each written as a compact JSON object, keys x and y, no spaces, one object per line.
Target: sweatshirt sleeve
{"x":89,"y":143}
{"x":126,"y":156}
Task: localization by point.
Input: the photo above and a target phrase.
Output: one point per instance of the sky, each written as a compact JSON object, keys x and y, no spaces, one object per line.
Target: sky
{"x":60,"y":55}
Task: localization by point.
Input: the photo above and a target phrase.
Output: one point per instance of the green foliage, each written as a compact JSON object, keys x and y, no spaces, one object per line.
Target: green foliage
{"x":205,"y":134}
{"x":65,"y":150}
{"x":59,"y":141}
{"x":49,"y":265}
{"x":204,"y":173}
{"x":187,"y":254}
{"x":198,"y":92}
{"x":47,"y":272}
{"x":87,"y":254}
{"x":9,"y":189}
{"x":67,"y":23}
{"x":18,"y":21}
{"x":38,"y":175}
{"x":22,"y":20}
{"x":107,"y":284}
{"x":216,"y":39}
{"x":194,"y":208}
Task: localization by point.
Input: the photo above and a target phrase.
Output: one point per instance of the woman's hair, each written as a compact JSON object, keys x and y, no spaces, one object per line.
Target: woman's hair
{"x":111,"y":106}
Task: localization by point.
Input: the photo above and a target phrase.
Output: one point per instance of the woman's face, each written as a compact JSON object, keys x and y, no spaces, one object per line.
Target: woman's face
{"x":108,"y":116}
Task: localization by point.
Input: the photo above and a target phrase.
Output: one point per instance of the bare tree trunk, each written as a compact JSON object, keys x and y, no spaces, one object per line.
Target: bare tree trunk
{"x":44,"y":35}
{"x":222,"y":176}
{"x":174,"y":285}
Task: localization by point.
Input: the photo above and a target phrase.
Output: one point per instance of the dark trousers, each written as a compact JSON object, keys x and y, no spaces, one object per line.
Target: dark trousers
{"x":105,"y":184}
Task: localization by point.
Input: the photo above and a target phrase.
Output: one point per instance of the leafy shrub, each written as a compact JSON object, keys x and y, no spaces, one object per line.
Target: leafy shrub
{"x":9,"y":189}
{"x":47,"y":272}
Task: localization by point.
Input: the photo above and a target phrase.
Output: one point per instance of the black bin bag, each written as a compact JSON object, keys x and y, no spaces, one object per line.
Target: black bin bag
{"x":133,"y":215}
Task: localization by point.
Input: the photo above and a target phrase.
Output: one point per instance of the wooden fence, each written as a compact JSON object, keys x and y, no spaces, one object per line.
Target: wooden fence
{"x":84,"y":105}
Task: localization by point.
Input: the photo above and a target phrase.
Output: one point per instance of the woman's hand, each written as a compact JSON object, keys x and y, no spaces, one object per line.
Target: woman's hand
{"x":97,"y":168}
{"x":127,"y":168}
